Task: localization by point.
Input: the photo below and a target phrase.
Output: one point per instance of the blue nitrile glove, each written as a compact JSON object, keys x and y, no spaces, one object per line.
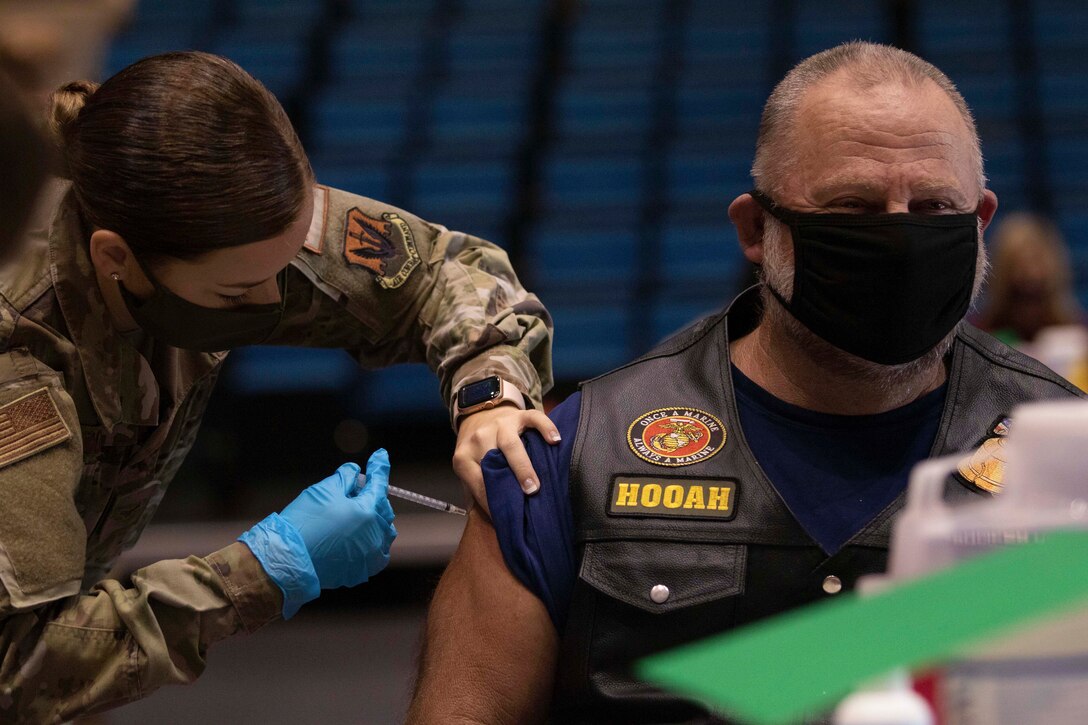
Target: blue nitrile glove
{"x":330,"y":536}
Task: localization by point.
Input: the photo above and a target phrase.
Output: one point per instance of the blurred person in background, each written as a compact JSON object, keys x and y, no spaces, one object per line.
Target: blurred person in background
{"x":24,"y":159}
{"x":190,"y":224}
{"x":755,"y":462}
{"x":41,"y":46}
{"x":44,"y":44}
{"x":1031,"y":302}
{"x":1031,"y":281}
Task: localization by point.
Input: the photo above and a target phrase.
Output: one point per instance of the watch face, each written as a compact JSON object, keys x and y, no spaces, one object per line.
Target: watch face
{"x":478,"y":392}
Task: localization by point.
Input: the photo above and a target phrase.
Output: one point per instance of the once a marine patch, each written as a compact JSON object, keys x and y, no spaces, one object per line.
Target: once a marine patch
{"x":29,"y":425}
{"x":689,"y":498}
{"x":385,"y":246}
{"x":676,"y":436}
{"x":985,"y":468}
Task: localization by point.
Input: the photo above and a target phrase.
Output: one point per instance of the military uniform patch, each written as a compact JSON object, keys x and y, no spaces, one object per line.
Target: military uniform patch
{"x":985,"y":467}
{"x":676,"y":436}
{"x":688,"y":498}
{"x":29,"y":425}
{"x":385,"y":246}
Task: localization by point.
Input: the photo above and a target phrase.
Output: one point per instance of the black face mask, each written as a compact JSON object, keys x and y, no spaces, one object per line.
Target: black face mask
{"x":884,"y":287}
{"x":181,"y":323}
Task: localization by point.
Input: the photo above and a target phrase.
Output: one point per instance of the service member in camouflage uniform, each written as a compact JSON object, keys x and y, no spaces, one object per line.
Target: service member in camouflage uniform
{"x":97,"y":411}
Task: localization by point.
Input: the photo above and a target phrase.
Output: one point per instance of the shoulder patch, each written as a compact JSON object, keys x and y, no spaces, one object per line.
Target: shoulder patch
{"x":29,"y":425}
{"x":315,"y":237}
{"x":385,"y":246}
{"x":677,"y":436}
{"x":985,"y":467}
{"x":674,"y":497}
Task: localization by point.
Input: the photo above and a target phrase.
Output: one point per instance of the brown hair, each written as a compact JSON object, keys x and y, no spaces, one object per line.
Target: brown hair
{"x":181,"y":154}
{"x":1023,"y":240}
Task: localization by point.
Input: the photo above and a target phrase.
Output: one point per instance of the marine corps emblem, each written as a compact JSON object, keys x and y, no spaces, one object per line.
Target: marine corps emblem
{"x":985,"y":468}
{"x":383,"y":246}
{"x":676,"y":436}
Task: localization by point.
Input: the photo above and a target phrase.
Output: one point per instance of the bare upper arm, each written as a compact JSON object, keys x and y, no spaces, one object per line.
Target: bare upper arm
{"x":490,"y":649}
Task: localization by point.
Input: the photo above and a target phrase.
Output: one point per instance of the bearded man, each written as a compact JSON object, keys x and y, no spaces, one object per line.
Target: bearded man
{"x":755,"y":462}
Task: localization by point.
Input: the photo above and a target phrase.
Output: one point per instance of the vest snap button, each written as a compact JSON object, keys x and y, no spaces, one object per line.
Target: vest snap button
{"x":832,"y":584}
{"x":659,"y":594}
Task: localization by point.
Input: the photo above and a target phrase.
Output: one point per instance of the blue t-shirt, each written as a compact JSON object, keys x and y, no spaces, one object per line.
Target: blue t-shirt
{"x":835,"y":473}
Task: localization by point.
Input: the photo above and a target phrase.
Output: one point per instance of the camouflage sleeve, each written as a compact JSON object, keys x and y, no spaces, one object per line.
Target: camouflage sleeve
{"x":64,"y":652}
{"x":478,"y":321}
{"x":415,"y":292}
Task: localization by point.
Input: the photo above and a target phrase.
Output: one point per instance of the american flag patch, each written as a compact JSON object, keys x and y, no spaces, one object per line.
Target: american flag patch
{"x":28,"y":425}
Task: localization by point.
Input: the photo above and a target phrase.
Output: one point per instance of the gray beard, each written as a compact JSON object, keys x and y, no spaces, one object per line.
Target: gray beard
{"x":826,"y":356}
{"x":777,"y":272}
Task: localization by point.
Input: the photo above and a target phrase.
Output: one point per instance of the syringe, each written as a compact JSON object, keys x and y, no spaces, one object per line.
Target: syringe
{"x":414,"y":497}
{"x":422,"y":500}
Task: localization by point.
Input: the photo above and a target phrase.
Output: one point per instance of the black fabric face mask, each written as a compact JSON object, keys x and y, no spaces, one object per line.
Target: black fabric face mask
{"x":181,"y":323}
{"x":884,"y":287}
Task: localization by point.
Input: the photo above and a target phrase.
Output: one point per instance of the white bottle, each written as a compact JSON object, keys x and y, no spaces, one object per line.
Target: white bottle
{"x":888,"y":701}
{"x":1038,"y":675}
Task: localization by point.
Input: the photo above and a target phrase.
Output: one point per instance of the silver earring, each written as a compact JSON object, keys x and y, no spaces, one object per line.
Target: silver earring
{"x":115,"y":277}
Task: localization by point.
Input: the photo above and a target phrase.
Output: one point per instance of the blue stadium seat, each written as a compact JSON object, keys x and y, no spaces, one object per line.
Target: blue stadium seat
{"x":127,"y":50}
{"x":405,"y":10}
{"x":669,"y":318}
{"x":277,"y":14}
{"x":1004,"y":164}
{"x":511,"y":16}
{"x":1060,"y":23}
{"x":375,"y":61}
{"x":502,"y":53}
{"x":589,"y":339}
{"x":818,"y":29}
{"x":604,"y":113}
{"x":368,"y":181}
{"x":404,"y":391}
{"x":989,"y":96}
{"x":700,"y":109}
{"x":262,"y":370}
{"x":159,"y":26}
{"x":706,"y":256}
{"x":1067,"y":160}
{"x":736,"y":47}
{"x":478,"y":127}
{"x":973,"y":27}
{"x":590,"y":258}
{"x":455,"y":194}
{"x":572,"y":183}
{"x":620,"y":14}
{"x":1064,"y":93}
{"x":371,"y":124}
{"x":713,"y":180}
{"x":595,"y":48}
{"x":718,"y":14}
{"x":1074,"y":226}
{"x":277,"y":59}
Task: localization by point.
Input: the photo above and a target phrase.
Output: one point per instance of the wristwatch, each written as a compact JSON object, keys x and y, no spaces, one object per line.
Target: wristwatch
{"x":484,"y":395}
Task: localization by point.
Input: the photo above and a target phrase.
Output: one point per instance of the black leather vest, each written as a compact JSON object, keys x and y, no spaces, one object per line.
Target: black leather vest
{"x":720,"y":572}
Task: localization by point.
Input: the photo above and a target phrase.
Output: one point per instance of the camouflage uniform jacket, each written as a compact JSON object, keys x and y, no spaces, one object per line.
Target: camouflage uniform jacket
{"x":93,"y":428}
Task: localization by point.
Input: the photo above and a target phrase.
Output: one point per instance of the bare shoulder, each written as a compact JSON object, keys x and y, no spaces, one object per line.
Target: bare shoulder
{"x":490,"y":648}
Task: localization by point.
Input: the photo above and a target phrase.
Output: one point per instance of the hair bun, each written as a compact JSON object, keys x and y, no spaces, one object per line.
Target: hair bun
{"x":65,"y":105}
